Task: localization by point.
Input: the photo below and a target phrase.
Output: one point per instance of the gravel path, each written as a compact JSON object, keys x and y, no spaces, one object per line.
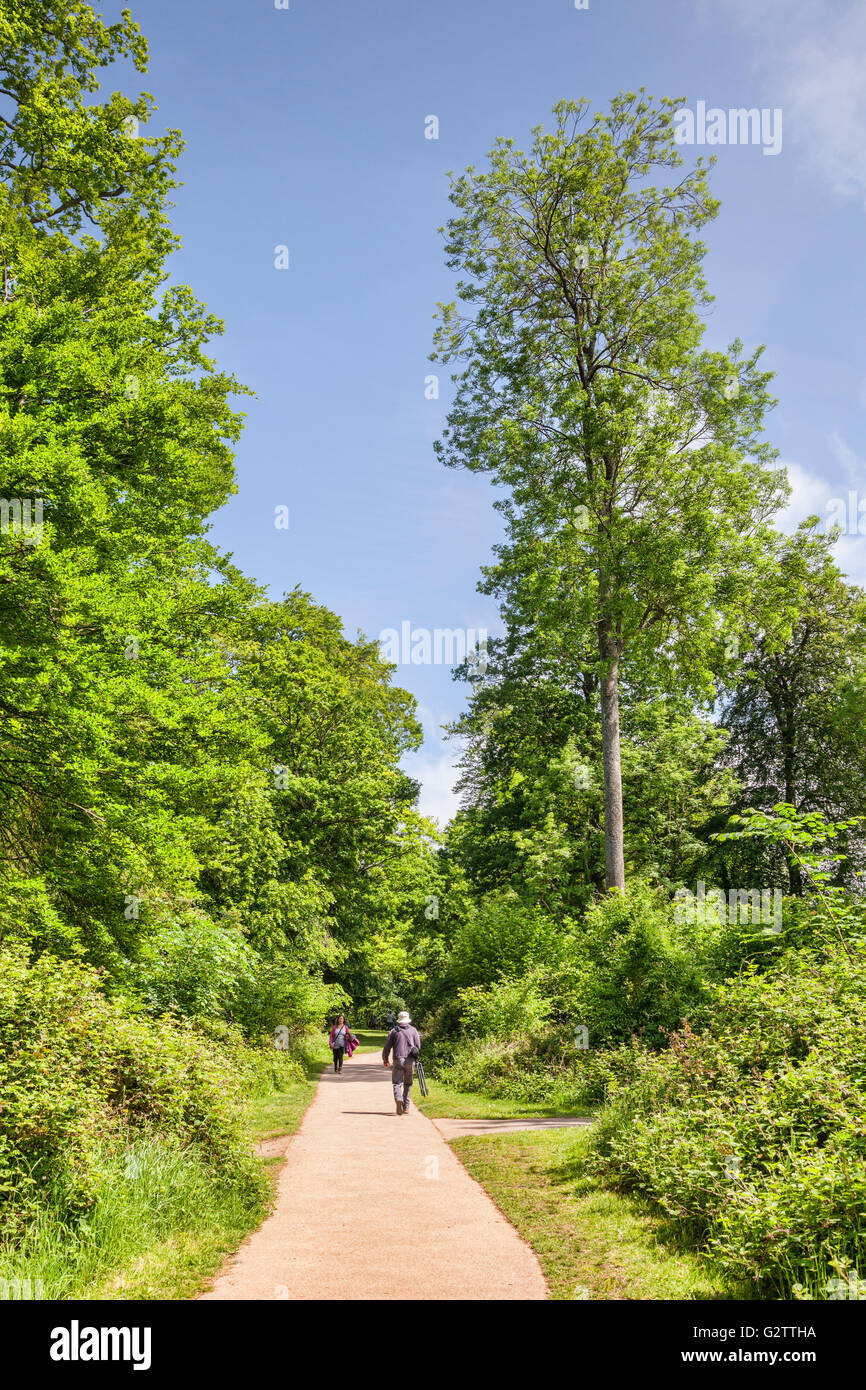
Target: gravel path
{"x":372,"y":1205}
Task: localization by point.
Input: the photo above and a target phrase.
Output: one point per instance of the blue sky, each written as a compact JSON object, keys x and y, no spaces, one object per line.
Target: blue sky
{"x":305,"y":128}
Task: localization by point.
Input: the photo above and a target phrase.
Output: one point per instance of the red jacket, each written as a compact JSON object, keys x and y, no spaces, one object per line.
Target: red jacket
{"x":351,"y":1041}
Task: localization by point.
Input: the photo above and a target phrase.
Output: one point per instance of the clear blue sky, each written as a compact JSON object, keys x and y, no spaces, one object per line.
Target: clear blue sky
{"x":306,"y":128}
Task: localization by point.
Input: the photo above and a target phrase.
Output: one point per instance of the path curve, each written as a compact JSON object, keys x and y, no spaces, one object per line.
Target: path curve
{"x":372,"y":1205}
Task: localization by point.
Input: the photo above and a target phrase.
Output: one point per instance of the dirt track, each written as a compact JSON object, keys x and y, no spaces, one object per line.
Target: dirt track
{"x":372,"y":1205}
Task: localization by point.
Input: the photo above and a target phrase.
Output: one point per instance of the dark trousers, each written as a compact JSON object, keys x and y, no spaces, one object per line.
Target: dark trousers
{"x":339,"y":1053}
{"x":401,"y":1079}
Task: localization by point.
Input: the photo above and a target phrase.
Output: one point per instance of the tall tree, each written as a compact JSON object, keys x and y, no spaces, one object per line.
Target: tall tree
{"x":626,"y":448}
{"x":796,"y":708}
{"x":533,"y":794}
{"x":115,"y":429}
{"x":147,"y":689}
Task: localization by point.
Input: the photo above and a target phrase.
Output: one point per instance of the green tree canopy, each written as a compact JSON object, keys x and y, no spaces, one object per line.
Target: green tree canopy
{"x":638,"y":482}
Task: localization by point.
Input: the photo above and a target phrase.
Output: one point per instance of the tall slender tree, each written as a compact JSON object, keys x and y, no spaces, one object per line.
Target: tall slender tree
{"x":585,"y":392}
{"x":796,"y":711}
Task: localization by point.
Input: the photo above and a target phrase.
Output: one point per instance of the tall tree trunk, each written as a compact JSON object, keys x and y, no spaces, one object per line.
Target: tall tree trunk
{"x":789,"y":735}
{"x":614,"y":858}
{"x":795,"y":876}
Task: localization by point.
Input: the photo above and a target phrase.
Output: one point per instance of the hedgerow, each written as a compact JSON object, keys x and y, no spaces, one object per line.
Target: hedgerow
{"x":82,"y":1077}
{"x":751,"y":1130}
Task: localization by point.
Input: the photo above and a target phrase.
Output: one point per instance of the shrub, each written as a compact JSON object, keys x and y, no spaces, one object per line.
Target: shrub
{"x":622,"y":975}
{"x":503,"y":937}
{"x":81,"y":1077}
{"x":624,"y":971}
{"x":752,"y":1132}
{"x":506,"y":1009}
{"x":28,"y":917}
{"x":194,"y":966}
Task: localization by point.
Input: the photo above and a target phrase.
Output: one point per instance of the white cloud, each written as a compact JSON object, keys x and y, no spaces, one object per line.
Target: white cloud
{"x":815,"y":53}
{"x":433,"y":765}
{"x":430,"y":722}
{"x":812,"y":496}
{"x":437,"y":774}
{"x":846,"y":457}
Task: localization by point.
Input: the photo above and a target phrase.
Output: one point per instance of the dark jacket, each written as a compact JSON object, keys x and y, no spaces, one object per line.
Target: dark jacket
{"x":400,"y":1040}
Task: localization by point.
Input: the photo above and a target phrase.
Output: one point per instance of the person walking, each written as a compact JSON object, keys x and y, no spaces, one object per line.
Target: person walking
{"x":404,"y":1043}
{"x":339,"y":1040}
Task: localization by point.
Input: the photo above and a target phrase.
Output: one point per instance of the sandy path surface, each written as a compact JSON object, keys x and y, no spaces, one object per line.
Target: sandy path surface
{"x":372,"y":1205}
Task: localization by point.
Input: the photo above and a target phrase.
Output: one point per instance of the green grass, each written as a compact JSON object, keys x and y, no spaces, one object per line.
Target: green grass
{"x":281,"y":1112}
{"x":371,"y":1041}
{"x":592,"y":1243}
{"x":446,"y":1103}
{"x":161,"y":1227}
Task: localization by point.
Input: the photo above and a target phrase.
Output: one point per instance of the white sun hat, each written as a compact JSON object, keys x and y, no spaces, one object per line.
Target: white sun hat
{"x":403,"y":1017}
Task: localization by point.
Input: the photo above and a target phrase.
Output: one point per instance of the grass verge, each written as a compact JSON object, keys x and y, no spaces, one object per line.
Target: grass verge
{"x":280,"y":1112}
{"x":446,"y":1103}
{"x":591,"y":1243}
{"x":160,"y":1227}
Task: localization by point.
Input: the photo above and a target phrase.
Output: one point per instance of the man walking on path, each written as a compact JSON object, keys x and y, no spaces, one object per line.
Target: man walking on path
{"x":456,"y":1246}
{"x":405,"y":1044}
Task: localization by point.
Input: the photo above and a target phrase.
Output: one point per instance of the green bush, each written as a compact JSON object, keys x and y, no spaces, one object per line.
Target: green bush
{"x":509,"y":1048}
{"x":507,"y":1009}
{"x":627,"y":973}
{"x":194,"y":966}
{"x":82,"y":1078}
{"x":503,"y":937}
{"x":752,"y":1131}
{"x":284,"y":994}
{"x":623,"y":974}
{"x":28,"y":917}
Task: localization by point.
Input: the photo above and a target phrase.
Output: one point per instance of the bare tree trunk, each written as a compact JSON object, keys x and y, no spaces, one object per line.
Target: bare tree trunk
{"x":795,"y":876}
{"x":786,"y":723}
{"x":614,"y":857}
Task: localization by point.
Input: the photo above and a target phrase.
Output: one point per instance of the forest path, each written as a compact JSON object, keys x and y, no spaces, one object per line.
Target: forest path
{"x":373,"y":1205}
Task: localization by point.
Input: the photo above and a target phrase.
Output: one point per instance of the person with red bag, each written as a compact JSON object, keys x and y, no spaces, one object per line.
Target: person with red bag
{"x":339,"y":1039}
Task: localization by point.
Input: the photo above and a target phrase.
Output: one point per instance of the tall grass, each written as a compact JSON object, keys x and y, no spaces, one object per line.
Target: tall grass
{"x":153,"y":1193}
